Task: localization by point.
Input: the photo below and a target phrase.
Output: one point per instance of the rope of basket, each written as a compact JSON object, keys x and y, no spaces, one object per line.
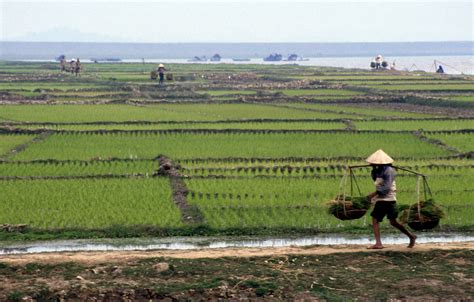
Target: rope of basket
{"x":426,"y":193}
{"x":343,"y":186}
{"x":418,"y":204}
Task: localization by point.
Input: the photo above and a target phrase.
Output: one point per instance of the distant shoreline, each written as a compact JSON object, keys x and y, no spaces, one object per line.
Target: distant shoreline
{"x":49,"y":50}
{"x":452,"y":64}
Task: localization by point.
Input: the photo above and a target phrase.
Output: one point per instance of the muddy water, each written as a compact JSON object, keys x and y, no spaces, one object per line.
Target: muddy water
{"x":186,"y":243}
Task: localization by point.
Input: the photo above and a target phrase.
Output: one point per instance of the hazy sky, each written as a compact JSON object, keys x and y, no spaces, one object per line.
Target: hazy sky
{"x":236,"y":21}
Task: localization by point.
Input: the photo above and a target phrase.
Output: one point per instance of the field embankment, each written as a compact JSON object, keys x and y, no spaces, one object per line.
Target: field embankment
{"x":430,"y":271}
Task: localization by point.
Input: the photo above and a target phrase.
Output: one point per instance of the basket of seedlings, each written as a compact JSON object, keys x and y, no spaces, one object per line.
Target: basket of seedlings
{"x":425,"y":214}
{"x":349,"y":207}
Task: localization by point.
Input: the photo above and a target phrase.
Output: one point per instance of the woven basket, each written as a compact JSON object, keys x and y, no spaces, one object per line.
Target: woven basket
{"x":346,"y":211}
{"x":350,"y":214}
{"x":424,"y":223}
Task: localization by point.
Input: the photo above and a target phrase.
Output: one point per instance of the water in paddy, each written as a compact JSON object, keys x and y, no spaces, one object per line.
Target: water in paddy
{"x":187,"y":243}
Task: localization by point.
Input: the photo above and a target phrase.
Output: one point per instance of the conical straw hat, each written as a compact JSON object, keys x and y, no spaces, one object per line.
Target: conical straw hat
{"x":379,"y":158}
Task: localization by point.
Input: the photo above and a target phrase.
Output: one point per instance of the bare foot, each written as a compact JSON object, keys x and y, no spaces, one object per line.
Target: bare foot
{"x":375,"y":247}
{"x":412,"y":241}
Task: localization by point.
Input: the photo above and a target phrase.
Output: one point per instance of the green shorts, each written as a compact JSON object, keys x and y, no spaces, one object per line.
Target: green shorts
{"x":383,"y":208}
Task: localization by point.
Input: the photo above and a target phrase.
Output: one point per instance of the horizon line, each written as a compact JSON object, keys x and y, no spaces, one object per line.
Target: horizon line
{"x":338,"y":42}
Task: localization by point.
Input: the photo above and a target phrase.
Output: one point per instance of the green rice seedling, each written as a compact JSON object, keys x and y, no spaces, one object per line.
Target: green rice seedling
{"x":227,"y":92}
{"x":218,"y":145}
{"x":9,"y":141}
{"x":439,"y":87}
{"x":287,"y":125}
{"x":423,"y":215}
{"x":304,"y":92}
{"x":349,"y":207}
{"x":368,"y":111}
{"x":427,"y":125}
{"x":464,"y":142}
{"x":78,"y":168}
{"x":88,"y":203}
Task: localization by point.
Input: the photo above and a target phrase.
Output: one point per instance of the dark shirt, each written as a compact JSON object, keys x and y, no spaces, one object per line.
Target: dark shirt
{"x":388,"y":174}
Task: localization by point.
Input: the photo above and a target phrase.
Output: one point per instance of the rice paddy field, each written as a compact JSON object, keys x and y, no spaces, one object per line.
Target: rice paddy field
{"x":253,"y":149}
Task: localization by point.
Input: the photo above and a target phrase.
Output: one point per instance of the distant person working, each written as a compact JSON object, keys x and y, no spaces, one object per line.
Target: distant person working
{"x":378,"y":62}
{"x":161,"y":72}
{"x":440,"y":69}
{"x":72,"y":65}
{"x":77,"y":67}
{"x":62,"y":63}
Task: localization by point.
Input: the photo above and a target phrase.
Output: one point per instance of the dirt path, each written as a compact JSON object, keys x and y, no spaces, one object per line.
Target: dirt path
{"x":190,"y":214}
{"x":118,"y":256}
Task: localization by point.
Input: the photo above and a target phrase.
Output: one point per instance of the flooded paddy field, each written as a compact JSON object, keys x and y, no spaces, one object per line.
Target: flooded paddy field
{"x":260,"y":149}
{"x":220,"y":151}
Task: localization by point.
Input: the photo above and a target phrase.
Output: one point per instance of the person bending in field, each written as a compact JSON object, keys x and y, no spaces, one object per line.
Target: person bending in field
{"x":384,"y":197}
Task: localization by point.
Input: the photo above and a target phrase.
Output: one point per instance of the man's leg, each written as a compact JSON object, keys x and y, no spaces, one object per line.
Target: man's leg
{"x":375,"y":226}
{"x":394,"y":223}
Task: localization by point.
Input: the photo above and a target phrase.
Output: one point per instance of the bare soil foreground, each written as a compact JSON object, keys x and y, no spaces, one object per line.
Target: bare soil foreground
{"x":333,"y":273}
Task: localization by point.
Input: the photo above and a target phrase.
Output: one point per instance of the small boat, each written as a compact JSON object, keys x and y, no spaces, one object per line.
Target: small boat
{"x":215,"y":58}
{"x":294,"y":57}
{"x":198,"y":59}
{"x":240,"y":60}
{"x":274,"y":57}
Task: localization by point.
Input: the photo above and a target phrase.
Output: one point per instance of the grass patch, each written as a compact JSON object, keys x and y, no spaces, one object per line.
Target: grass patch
{"x":9,"y":141}
{"x":427,"y":125}
{"x":227,"y":92}
{"x":328,"y":92}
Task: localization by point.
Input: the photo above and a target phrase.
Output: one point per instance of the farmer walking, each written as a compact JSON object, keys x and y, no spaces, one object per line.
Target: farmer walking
{"x":384,"y":197}
{"x":62,"y":63}
{"x":378,"y":62}
{"x":72,"y":65}
{"x":161,"y":72}
{"x":77,"y":67}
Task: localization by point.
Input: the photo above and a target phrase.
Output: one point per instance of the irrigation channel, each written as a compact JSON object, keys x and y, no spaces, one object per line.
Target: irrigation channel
{"x":192,"y":243}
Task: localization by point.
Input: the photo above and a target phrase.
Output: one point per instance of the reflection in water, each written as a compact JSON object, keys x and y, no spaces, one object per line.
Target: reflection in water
{"x":186,"y":243}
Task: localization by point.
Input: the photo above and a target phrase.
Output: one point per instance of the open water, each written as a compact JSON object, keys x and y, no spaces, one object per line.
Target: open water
{"x":187,"y":243}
